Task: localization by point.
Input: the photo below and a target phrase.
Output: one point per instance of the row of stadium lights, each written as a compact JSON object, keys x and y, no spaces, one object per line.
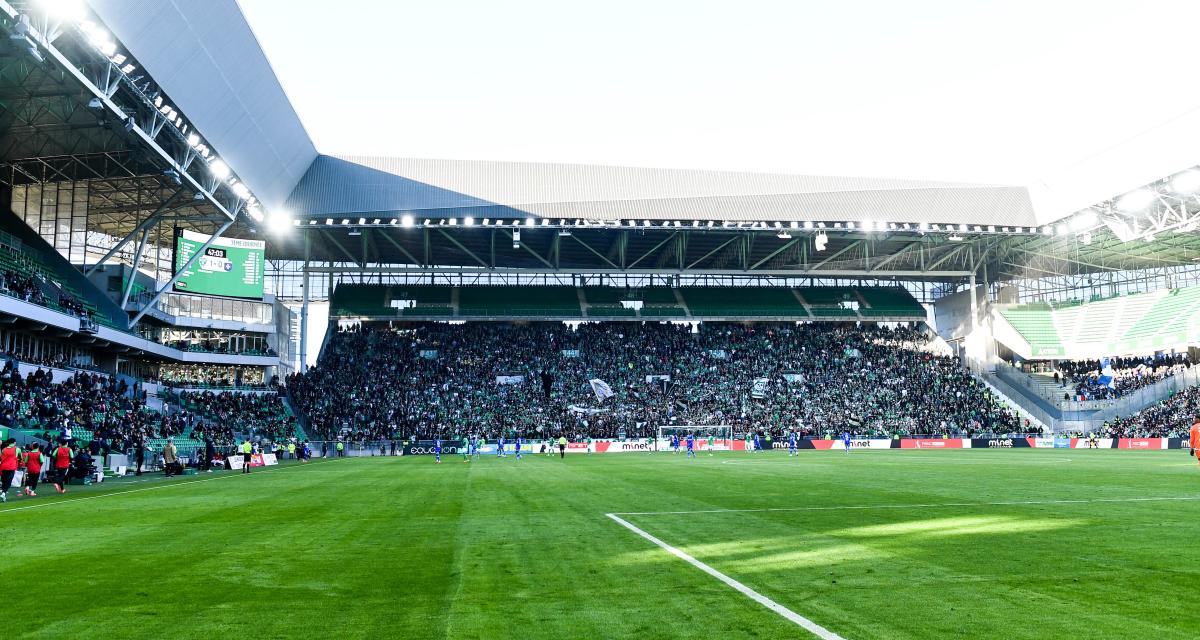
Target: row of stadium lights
{"x":75,"y":11}
{"x":868,"y":226}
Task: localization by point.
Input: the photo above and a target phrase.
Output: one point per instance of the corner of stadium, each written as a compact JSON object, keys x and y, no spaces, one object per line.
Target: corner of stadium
{"x":251,"y":388}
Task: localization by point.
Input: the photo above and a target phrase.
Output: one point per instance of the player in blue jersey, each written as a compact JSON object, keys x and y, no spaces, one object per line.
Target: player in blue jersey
{"x":437,"y":450}
{"x":518,"y":446}
{"x":846,"y":440}
{"x":791,"y":443}
{"x":674,"y":443}
{"x":500,"y":447}
{"x":691,"y":445}
{"x":757,"y":442}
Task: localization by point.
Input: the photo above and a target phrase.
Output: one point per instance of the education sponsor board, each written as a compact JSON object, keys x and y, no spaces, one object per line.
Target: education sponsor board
{"x":996,"y":443}
{"x":426,"y":448}
{"x":1142,"y":443}
{"x":1101,"y":443}
{"x":932,"y":443}
{"x":855,"y":443}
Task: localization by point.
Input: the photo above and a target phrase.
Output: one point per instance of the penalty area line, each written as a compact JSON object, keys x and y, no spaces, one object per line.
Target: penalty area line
{"x":805,"y":623}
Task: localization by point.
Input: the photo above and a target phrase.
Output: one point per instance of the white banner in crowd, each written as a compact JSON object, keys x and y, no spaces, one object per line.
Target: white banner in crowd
{"x":510,"y":379}
{"x":601,"y":389}
{"x":759,"y":388}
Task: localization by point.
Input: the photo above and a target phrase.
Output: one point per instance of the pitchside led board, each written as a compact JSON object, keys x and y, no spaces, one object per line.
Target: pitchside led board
{"x":229,"y":267}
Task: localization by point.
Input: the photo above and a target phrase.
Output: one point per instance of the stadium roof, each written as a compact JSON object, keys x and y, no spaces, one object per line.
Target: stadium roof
{"x":450,"y":188}
{"x":206,"y":58}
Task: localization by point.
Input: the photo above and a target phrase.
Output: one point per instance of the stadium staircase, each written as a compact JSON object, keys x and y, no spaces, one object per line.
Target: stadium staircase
{"x":433,"y":302}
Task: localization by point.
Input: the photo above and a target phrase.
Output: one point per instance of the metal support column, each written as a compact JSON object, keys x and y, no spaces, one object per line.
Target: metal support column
{"x":304,"y":309}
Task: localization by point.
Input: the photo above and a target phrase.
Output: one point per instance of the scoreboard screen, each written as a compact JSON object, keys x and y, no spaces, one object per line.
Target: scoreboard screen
{"x":228,"y":267}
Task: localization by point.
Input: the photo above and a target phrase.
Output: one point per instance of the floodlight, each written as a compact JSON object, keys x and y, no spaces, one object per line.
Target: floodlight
{"x":345,"y":220}
{"x":808,"y":224}
{"x":64,"y":9}
{"x":1084,"y":220}
{"x":468,"y":221}
{"x":279,"y":220}
{"x":219,"y":169}
{"x":1062,"y":229}
{"x":256,"y":213}
{"x":962,"y":227}
{"x":128,"y":69}
{"x":1136,"y":200}
{"x":241,"y":190}
{"x":193,"y":140}
{"x":529,"y":222}
{"x":924,"y":226}
{"x":546,"y":222}
{"x":362,"y":220}
{"x":453,"y":222}
{"x":1186,"y":182}
{"x":991,"y":229}
{"x":329,"y":221}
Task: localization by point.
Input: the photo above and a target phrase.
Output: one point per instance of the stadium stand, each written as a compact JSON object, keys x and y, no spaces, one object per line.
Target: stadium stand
{"x":374,"y":384}
{"x":1122,"y":324}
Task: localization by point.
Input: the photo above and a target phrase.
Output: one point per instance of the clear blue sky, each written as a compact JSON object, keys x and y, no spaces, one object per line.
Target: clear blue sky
{"x":943,"y":89}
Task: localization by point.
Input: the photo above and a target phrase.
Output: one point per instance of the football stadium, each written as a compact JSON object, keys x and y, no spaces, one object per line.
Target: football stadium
{"x":763,"y":320}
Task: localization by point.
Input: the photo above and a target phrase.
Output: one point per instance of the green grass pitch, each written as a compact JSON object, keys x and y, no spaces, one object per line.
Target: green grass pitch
{"x":875,"y":544}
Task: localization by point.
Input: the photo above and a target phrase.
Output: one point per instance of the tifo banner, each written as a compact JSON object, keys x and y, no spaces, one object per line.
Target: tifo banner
{"x":932,"y":443}
{"x":997,"y":443}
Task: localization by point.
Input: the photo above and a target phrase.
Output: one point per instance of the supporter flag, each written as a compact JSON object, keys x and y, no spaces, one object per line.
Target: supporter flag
{"x":601,"y":389}
{"x":759,"y":388}
{"x":1106,"y":374}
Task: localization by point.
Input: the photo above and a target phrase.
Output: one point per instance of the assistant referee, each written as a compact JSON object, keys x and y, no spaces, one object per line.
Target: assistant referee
{"x":562,"y":446}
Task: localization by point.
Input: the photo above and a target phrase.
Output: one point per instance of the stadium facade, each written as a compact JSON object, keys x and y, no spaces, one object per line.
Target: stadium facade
{"x":125,"y":123}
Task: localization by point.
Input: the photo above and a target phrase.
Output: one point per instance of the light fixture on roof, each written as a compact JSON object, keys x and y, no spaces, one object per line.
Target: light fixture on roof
{"x":279,"y":220}
{"x":991,"y":228}
{"x":1136,"y":200}
{"x":783,"y":235}
{"x":329,"y":221}
{"x":546,"y":222}
{"x":255,"y":213}
{"x":406,"y":220}
{"x":219,"y":169}
{"x":73,"y":10}
{"x":808,"y":224}
{"x":529,"y":222}
{"x":1084,"y":220}
{"x":468,"y":221}
{"x":1063,"y":229}
{"x":1086,"y":238}
{"x":1186,"y":182}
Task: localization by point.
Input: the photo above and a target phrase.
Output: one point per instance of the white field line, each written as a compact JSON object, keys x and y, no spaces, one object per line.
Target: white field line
{"x":154,"y":488}
{"x":929,"y":505}
{"x":809,"y":625}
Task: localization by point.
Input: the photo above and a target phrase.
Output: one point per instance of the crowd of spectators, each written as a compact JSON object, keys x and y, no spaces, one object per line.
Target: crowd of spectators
{"x":260,"y":414}
{"x":1128,"y":374}
{"x":211,"y":375}
{"x":1171,"y":418}
{"x":68,"y":303}
{"x":98,"y":407}
{"x":24,"y":287}
{"x":532,"y":380}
